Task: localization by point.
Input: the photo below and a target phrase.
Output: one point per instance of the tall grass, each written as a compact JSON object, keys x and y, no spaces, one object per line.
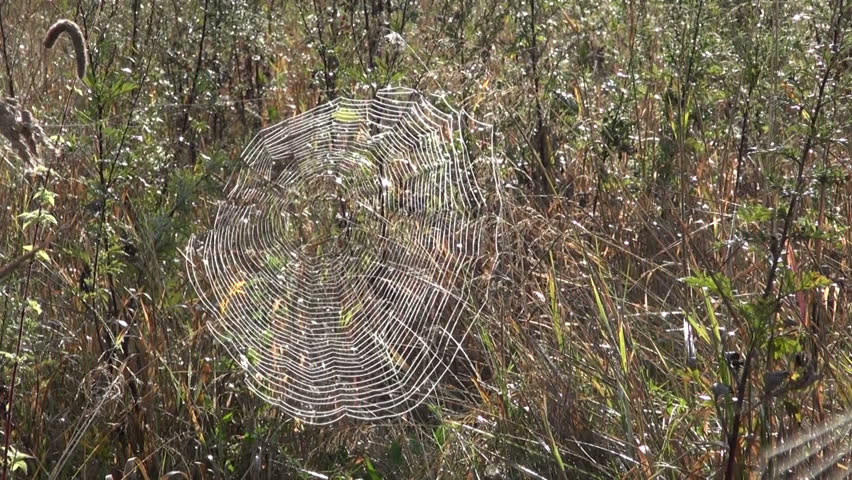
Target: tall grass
{"x":671,"y":294}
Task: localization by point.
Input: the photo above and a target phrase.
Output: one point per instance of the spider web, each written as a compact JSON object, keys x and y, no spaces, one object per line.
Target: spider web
{"x":821,"y":451}
{"x":338,"y":268}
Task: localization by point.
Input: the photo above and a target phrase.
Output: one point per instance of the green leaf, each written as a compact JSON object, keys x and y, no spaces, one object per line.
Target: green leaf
{"x":622,"y":346}
{"x":785,"y":346}
{"x":395,"y":453}
{"x":348,"y":315}
{"x":46,"y":197}
{"x":11,"y":356}
{"x":755,"y":213}
{"x":41,"y":254}
{"x":274,"y":262}
{"x":792,"y":283}
{"x":345,"y":115}
{"x":37,"y":216}
{"x":757,"y":313}
{"x":21,"y":465}
{"x":18,"y":460}
{"x":371,"y":470}
{"x":714,"y":282}
{"x":440,"y":436}
{"x":699,"y":329}
{"x":485,"y":336}
{"x":122,"y":87}
{"x":34,"y":306}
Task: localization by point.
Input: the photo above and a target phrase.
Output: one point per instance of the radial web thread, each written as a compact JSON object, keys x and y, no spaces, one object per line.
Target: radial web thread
{"x":338,"y":268}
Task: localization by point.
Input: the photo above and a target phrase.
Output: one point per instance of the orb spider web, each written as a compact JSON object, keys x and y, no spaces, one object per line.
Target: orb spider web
{"x":338,"y":268}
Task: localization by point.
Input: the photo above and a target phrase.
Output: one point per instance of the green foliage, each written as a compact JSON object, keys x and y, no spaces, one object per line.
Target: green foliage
{"x":716,"y":283}
{"x":16,"y":461}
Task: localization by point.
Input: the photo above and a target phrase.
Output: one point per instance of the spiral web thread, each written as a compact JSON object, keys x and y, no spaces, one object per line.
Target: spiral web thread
{"x":338,"y":267}
{"x":823,"y":451}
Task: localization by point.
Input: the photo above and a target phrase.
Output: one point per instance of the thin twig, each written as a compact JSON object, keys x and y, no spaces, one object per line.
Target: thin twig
{"x":10,"y":267}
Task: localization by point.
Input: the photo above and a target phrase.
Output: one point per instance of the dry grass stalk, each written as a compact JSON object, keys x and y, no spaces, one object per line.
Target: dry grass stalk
{"x":22,"y":131}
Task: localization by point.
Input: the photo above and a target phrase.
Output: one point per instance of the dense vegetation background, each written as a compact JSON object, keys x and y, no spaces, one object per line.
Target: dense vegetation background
{"x":674,"y":294}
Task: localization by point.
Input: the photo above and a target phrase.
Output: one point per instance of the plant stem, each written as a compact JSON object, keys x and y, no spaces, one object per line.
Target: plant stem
{"x":10,"y":82}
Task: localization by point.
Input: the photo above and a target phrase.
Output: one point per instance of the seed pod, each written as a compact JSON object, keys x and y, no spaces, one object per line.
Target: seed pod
{"x":76,"y":35}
